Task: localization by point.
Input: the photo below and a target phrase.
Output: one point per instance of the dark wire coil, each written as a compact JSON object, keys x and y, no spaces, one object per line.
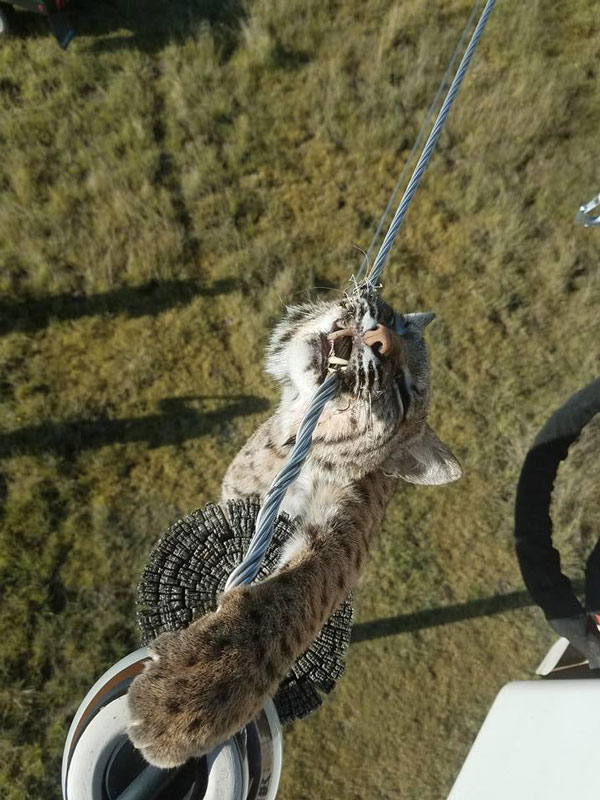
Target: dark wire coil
{"x":187,"y":571}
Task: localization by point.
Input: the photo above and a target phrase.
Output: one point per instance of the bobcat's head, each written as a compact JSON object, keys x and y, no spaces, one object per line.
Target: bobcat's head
{"x":379,"y":416}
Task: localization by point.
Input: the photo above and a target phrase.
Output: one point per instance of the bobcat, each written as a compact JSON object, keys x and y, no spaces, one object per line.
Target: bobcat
{"x":206,"y":682}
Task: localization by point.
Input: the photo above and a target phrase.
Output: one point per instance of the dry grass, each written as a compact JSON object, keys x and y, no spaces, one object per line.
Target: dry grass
{"x":165,"y":185}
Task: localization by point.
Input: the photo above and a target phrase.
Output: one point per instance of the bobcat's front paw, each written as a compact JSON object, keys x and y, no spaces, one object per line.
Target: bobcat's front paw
{"x":169,"y":716}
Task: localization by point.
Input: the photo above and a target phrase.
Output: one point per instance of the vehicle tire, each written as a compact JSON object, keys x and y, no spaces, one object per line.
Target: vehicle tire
{"x":7,"y":19}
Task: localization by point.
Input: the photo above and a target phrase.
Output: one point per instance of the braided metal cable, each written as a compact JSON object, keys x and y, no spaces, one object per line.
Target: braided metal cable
{"x":247,"y":570}
{"x":415,"y":147}
{"x":429,"y":148}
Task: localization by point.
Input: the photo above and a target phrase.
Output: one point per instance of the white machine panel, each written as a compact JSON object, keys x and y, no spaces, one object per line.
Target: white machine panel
{"x":539,"y":741}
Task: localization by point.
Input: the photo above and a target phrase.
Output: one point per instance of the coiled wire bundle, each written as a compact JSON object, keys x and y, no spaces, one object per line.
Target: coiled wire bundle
{"x":187,"y":571}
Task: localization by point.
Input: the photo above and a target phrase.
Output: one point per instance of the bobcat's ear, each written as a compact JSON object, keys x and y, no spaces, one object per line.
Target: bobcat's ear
{"x":426,"y":460}
{"x":421,"y":320}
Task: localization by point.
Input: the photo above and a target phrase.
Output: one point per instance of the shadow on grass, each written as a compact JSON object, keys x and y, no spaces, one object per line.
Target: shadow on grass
{"x":177,"y":423}
{"x":136,"y":301}
{"x":147,"y":25}
{"x":154,"y":23}
{"x":445,"y":615}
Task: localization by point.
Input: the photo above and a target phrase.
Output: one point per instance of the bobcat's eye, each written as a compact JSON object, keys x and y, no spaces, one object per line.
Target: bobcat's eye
{"x":387,"y":316}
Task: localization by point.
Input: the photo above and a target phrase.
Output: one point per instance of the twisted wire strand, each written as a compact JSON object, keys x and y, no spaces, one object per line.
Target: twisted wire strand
{"x":424,"y":127}
{"x":247,"y":570}
{"x":429,"y":148}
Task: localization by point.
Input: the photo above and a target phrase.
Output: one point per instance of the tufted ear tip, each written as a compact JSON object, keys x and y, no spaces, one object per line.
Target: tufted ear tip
{"x":421,"y":319}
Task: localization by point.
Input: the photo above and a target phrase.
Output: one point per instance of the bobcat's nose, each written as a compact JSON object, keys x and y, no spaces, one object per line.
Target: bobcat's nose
{"x":379,"y":339}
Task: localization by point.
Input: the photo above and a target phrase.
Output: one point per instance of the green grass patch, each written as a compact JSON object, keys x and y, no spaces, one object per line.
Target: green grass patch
{"x":166,"y":185}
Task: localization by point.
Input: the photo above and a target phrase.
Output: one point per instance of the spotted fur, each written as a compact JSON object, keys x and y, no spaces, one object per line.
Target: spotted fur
{"x":207,"y":681}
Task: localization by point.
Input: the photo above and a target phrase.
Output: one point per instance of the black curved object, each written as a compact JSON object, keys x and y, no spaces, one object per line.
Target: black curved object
{"x":538,"y":559}
{"x":56,"y":13}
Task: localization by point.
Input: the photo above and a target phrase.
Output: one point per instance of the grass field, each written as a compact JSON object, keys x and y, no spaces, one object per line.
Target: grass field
{"x":166,"y":185}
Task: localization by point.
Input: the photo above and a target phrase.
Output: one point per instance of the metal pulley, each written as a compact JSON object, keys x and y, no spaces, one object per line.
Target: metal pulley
{"x":184,"y":577}
{"x":100,"y":763}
